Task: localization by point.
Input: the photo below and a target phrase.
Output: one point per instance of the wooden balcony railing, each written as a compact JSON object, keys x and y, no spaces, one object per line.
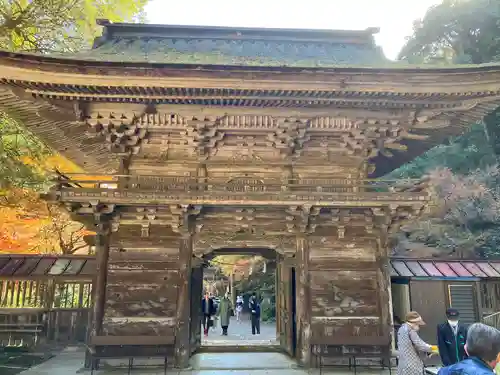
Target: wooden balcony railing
{"x":238,"y":184}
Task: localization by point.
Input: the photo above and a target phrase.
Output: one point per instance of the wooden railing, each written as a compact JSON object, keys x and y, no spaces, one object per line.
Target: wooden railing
{"x":34,"y":311}
{"x":492,"y":320}
{"x":236,"y":184}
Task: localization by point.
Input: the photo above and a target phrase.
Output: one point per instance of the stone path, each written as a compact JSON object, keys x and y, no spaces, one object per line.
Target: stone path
{"x":240,"y":333}
{"x":70,"y":362}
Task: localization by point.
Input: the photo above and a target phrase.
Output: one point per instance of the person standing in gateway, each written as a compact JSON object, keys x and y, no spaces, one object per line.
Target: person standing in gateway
{"x":254,"y":306}
{"x":208,"y":310}
{"x":239,"y":308}
{"x":224,"y":312}
{"x":452,"y":337}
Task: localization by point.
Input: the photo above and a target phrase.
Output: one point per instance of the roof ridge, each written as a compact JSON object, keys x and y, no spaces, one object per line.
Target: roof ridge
{"x":113,"y":30}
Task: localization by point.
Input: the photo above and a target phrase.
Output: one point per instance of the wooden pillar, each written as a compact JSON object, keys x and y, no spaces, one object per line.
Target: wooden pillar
{"x":102,"y":254}
{"x":197,"y":289}
{"x":287,"y":328}
{"x":303,"y":302}
{"x":183,"y":314}
{"x":384,"y":285}
{"x":279,"y":307}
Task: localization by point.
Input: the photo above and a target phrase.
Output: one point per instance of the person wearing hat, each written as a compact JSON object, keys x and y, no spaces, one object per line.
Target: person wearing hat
{"x":410,"y":345}
{"x":452,"y":337}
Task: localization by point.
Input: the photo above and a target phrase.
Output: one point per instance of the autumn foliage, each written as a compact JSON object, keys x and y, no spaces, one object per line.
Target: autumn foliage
{"x":464,"y":219}
{"x":30,"y":225}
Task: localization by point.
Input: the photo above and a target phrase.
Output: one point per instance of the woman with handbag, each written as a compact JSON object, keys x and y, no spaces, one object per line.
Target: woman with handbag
{"x":410,"y":345}
{"x":208,"y":310}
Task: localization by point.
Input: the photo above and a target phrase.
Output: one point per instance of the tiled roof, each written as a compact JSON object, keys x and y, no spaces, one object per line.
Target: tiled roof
{"x":84,"y":267}
{"x":166,"y":44}
{"x":37,"y":266}
{"x":444,"y":268}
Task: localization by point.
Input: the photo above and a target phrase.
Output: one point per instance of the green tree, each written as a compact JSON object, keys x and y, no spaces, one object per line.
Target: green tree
{"x":458,"y":31}
{"x":21,"y":156}
{"x":464,"y":175}
{"x":45,"y":26}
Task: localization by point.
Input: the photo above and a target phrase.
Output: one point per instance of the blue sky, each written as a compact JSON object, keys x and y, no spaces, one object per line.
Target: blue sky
{"x":394,"y":17}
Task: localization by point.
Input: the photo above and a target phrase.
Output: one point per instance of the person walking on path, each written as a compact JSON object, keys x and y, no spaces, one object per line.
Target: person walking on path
{"x":452,"y":336}
{"x":208,"y":311}
{"x":254,"y":306}
{"x":224,"y":313}
{"x":239,"y":308}
{"x":482,"y":347}
{"x":410,"y":345}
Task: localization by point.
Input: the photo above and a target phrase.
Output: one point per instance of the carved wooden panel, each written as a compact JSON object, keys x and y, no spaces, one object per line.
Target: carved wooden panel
{"x":141,"y":255}
{"x":205,"y":244}
{"x":141,"y":293}
{"x":331,"y":248}
{"x":130,"y":237}
{"x":138,"y":326}
{"x":353,"y":331}
{"x":344,"y":293}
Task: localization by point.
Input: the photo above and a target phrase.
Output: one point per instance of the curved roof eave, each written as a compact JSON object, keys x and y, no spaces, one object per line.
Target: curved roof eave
{"x":388,"y":68}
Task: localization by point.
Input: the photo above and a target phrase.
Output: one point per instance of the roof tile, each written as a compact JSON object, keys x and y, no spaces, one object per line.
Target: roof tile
{"x":416,"y":269}
{"x":393,"y":271}
{"x":74,"y":267}
{"x":59,"y":267}
{"x":488,"y":269}
{"x":431,"y":269}
{"x":459,"y":269}
{"x":27,"y":267}
{"x":44,"y":266}
{"x":232,"y":51}
{"x":3,"y":261}
{"x":474,"y":269}
{"x":11,"y":266}
{"x":402,"y":269}
{"x":445,"y":269}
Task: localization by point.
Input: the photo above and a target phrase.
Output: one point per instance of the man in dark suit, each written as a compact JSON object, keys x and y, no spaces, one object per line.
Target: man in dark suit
{"x":254,"y":306}
{"x":452,"y":336}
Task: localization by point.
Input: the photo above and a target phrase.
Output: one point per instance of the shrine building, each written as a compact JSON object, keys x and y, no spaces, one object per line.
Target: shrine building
{"x":203,"y":140}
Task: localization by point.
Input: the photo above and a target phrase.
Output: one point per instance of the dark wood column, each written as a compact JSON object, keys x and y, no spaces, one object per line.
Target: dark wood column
{"x":278,"y":292}
{"x":183,"y":315}
{"x":99,"y":292}
{"x":196,"y":295}
{"x":303,"y":302}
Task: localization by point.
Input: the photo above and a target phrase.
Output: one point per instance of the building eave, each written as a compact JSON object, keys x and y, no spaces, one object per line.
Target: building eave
{"x":464,"y":95}
{"x":84,"y":66}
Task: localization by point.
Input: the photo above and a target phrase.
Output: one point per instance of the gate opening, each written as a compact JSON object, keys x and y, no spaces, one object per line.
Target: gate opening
{"x":222,"y":319}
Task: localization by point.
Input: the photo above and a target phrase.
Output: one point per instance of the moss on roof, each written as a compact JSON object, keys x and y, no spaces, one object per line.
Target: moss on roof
{"x":232,"y":52}
{"x":253,"y":47}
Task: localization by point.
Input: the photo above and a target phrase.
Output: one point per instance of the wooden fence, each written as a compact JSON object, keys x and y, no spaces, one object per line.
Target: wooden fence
{"x":50,"y":305}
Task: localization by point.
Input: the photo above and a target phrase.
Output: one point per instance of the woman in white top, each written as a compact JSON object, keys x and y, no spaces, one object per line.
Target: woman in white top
{"x":239,"y":307}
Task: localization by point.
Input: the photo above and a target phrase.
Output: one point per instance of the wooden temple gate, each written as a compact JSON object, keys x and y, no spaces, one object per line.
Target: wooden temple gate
{"x":269,"y":144}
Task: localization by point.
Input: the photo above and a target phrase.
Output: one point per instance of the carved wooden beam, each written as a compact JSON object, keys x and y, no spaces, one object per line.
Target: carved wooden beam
{"x":182,"y":217}
{"x":302,"y":219}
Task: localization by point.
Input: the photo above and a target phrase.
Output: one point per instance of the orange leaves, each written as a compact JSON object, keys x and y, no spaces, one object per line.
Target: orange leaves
{"x":18,"y":233}
{"x":52,"y":162}
{"x":61,"y":164}
{"x":28,"y":224}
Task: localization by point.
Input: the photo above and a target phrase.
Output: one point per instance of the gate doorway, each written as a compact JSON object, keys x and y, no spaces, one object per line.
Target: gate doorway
{"x":275,"y":293}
